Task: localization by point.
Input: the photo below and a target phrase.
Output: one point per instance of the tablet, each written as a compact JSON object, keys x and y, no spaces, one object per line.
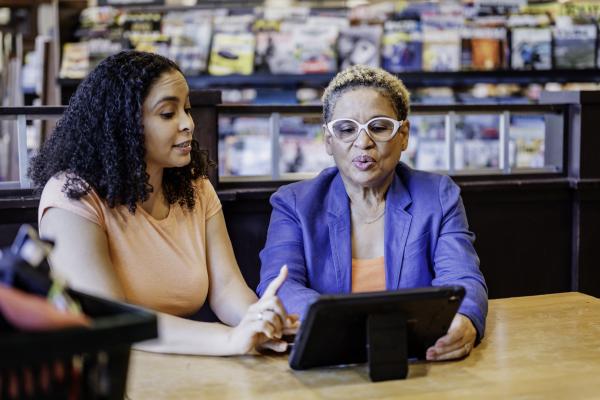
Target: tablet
{"x":360,"y":327}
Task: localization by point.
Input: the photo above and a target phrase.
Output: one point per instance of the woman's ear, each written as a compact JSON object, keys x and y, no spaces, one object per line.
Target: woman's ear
{"x":327,"y":138}
{"x":404,"y":132}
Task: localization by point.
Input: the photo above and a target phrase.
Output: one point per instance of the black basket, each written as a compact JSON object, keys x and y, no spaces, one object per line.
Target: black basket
{"x":94,"y":361}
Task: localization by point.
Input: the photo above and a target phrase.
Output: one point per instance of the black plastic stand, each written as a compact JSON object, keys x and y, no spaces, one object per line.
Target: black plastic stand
{"x":387,"y":347}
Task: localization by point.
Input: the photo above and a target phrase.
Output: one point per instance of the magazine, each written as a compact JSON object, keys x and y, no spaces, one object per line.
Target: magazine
{"x":575,"y":46}
{"x":359,"y":45}
{"x":264,"y":32}
{"x":495,"y":7}
{"x":304,"y":48}
{"x":402,"y":46}
{"x":274,"y":13}
{"x":234,"y":23}
{"x":483,"y":48}
{"x":441,"y":50}
{"x":75,"y":61}
{"x":232,"y":53}
{"x":441,"y":38}
{"x":190,"y":35}
{"x":531,"y":48}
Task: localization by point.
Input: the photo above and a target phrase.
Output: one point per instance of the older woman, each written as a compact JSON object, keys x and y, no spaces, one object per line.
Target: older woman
{"x":372,"y":223}
{"x":134,"y":218}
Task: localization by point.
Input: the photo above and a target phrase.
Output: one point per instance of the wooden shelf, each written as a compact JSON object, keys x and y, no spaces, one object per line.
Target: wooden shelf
{"x":22,"y":3}
{"x":410,"y":79}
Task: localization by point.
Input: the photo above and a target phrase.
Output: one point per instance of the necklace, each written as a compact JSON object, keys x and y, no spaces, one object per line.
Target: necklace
{"x":367,"y":221}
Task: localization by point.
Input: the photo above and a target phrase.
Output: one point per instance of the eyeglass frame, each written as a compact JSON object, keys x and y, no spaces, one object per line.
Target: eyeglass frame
{"x":397,"y":125}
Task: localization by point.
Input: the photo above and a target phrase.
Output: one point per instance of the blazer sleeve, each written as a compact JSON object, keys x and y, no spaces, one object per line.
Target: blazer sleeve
{"x":285,"y":246}
{"x":455,"y":260}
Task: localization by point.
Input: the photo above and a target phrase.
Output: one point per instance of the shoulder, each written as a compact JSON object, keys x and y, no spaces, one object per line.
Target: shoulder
{"x":429,"y":189}
{"x":89,"y":206}
{"x":423,"y":182}
{"x":56,"y":188}
{"x":203,"y":187}
{"x":207,"y":200}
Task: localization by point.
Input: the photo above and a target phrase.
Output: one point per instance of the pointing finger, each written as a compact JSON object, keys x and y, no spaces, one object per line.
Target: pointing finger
{"x":276,"y":283}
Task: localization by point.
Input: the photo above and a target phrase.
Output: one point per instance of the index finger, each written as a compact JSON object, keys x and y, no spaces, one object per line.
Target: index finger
{"x":276,"y":283}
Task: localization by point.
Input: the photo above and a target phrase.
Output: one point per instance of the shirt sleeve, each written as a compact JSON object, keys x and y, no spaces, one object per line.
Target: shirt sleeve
{"x":456,"y":262}
{"x":285,"y":245}
{"x":209,"y":198}
{"x":88,"y":206}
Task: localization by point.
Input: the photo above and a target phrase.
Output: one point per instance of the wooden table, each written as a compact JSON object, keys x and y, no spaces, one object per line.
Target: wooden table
{"x":537,"y":347}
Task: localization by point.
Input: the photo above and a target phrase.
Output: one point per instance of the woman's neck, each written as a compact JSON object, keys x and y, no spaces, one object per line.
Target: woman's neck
{"x":368,"y":200}
{"x":156,"y":205}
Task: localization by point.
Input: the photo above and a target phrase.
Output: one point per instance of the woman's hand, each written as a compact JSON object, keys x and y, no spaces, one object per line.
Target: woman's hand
{"x":264,"y":323}
{"x":458,"y":342}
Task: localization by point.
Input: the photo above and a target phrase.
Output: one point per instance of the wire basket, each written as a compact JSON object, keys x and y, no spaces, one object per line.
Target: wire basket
{"x":75,"y":363}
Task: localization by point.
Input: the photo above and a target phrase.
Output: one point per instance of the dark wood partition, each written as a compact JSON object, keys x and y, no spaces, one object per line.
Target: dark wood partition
{"x":584,"y":177}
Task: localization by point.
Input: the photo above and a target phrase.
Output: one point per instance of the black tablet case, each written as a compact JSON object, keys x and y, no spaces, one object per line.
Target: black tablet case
{"x":335,"y":329}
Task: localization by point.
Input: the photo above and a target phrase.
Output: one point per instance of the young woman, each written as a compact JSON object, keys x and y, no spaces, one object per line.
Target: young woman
{"x":134,"y":218}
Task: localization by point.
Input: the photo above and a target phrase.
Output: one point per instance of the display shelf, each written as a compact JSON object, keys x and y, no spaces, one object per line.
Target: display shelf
{"x":410,"y":79}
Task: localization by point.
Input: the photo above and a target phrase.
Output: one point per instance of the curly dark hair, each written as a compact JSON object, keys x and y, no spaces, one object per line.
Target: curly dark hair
{"x":99,"y":141}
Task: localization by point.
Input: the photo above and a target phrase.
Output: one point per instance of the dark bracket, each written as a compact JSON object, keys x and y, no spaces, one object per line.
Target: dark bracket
{"x":387,"y":347}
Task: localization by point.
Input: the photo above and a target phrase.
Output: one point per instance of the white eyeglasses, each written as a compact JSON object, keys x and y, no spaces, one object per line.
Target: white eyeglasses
{"x":380,"y":129}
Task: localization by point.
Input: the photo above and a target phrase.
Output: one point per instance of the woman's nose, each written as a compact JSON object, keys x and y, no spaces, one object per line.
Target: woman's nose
{"x":186,"y":123}
{"x":363,"y":139}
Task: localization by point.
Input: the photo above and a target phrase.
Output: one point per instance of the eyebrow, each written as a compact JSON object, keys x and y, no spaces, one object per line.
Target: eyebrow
{"x":368,"y":119}
{"x":168,"y":98}
{"x":381,"y":115}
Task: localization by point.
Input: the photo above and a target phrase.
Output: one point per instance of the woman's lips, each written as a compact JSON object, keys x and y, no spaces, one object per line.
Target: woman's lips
{"x":184,"y":147}
{"x":363,"y":162}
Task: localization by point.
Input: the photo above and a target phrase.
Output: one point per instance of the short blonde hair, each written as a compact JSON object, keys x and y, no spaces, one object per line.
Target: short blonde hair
{"x":362,"y":76}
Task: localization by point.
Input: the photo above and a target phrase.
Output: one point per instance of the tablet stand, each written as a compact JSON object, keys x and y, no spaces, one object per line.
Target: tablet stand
{"x":387,"y":347}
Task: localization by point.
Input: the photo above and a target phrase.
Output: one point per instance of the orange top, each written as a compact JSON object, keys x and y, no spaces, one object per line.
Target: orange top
{"x":368,"y":275}
{"x":160,"y":264}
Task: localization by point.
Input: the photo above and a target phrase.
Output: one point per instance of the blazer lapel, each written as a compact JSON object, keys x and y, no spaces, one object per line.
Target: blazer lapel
{"x":396,"y":227}
{"x":338,"y":207}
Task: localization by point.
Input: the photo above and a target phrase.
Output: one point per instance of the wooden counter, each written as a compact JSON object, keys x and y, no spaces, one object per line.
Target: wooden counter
{"x":537,"y":347}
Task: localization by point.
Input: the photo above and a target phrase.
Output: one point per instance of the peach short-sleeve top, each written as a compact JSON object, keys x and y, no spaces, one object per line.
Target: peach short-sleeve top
{"x":160,"y":264}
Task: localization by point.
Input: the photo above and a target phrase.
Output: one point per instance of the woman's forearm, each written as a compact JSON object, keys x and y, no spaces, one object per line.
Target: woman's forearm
{"x":231,"y":303}
{"x":181,"y":336}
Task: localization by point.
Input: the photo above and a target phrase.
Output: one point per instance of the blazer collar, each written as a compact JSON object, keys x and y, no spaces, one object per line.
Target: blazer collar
{"x":398,"y":196}
{"x":338,"y":221}
{"x":397,"y":225}
{"x":338,"y":203}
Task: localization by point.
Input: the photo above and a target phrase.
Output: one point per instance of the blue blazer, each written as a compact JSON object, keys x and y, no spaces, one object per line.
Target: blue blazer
{"x":427,"y":240}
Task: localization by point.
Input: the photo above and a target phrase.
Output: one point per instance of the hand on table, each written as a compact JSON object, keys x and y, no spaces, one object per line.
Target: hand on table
{"x":457,"y":343}
{"x":265,"y":322}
